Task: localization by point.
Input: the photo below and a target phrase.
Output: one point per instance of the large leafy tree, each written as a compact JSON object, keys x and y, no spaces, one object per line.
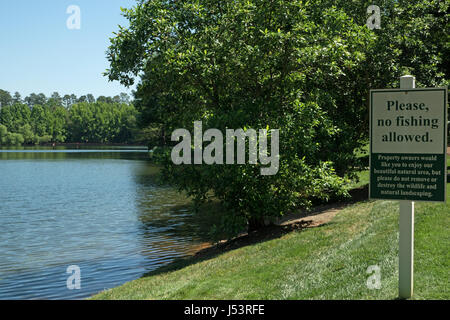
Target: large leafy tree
{"x":302,"y":67}
{"x":413,"y":38}
{"x":245,"y":64}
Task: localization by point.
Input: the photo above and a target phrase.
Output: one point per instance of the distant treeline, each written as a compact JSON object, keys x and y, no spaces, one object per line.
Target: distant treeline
{"x":37,"y":119}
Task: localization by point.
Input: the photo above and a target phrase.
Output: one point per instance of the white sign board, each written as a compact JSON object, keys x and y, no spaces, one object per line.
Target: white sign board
{"x":408,"y":144}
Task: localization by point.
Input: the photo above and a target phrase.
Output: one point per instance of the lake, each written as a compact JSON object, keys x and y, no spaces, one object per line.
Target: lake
{"x":103,"y":210}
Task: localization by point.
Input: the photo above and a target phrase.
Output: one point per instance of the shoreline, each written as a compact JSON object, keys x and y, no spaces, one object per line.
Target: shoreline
{"x":75,"y":145}
{"x":334,"y":248}
{"x":316,"y":217}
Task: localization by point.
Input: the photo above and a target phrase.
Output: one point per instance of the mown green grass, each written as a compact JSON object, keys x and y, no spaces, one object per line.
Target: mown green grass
{"x":327,"y":262}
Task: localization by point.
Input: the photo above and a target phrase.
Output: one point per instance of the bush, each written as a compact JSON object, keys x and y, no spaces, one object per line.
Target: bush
{"x":28,"y":134}
{"x":14,"y":139}
{"x":44,"y":139}
{"x":3,"y":134}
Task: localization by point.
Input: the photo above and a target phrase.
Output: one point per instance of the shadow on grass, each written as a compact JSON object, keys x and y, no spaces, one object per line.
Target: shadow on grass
{"x":264,"y":234}
{"x":267,"y":233}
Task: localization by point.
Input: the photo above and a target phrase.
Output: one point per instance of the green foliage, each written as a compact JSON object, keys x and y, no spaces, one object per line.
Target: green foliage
{"x":15,"y":116}
{"x":5,"y":98}
{"x":238,"y":64}
{"x":302,"y":67}
{"x":102,"y":122}
{"x":151,"y":135}
{"x":35,"y":99}
{"x":3,"y":134}
{"x":14,"y":139}
{"x":41,"y":116}
{"x":44,"y":139}
{"x":83,"y":122}
{"x":59,"y":123}
{"x":28,"y":134}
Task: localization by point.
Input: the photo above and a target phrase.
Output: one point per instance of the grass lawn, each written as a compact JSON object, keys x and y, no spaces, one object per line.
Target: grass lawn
{"x":326,"y":262}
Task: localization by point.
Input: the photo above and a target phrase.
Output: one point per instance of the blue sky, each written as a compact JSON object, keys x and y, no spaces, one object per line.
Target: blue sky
{"x":38,"y":53}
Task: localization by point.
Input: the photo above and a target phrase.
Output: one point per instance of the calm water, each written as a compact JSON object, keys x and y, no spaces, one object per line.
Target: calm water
{"x":102,"y":210}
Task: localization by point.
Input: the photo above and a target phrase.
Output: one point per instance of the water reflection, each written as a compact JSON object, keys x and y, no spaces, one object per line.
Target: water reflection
{"x":169,"y":227}
{"x":103,"y":210}
{"x":72,"y":154}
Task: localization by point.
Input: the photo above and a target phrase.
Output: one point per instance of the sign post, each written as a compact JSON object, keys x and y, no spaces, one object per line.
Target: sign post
{"x":406,"y":230}
{"x":408,"y":146}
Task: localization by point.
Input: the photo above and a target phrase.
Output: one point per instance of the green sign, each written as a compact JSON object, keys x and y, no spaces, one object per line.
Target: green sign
{"x":408,"y":144}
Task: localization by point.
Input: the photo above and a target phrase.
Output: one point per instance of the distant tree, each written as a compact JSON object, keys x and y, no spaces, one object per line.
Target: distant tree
{"x":9,"y":138}
{"x":102,"y":122}
{"x":28,"y":134}
{"x":54,"y":100}
{"x":41,"y":120}
{"x":17,"y":98}
{"x":34,"y":99}
{"x":3,"y":134}
{"x":7,"y":117}
{"x":59,"y":122}
{"x":82,"y":99}
{"x":116,"y":99}
{"x":73,"y":98}
{"x":90,"y":98}
{"x":29,"y":100}
{"x":66,"y":118}
{"x":124,"y":98}
{"x":41,"y":99}
{"x":14,"y":139}
{"x":68,"y":100}
{"x":14,"y":116}
{"x":5,"y":98}
{"x":104,"y":99}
